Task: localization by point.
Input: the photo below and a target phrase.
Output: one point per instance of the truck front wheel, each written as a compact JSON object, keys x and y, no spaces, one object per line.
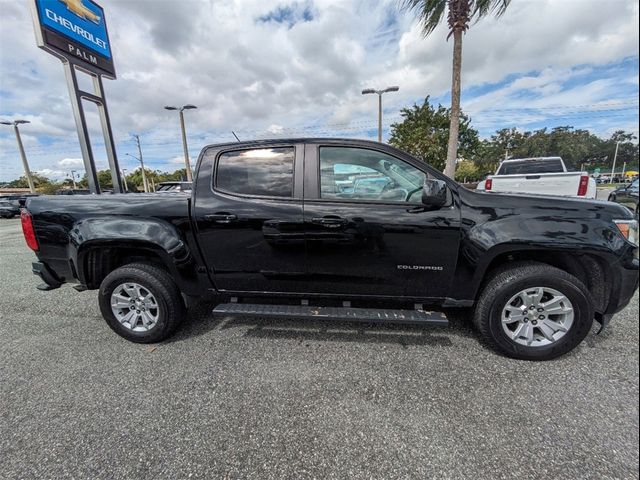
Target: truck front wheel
{"x":141,"y":303}
{"x":533,"y":311}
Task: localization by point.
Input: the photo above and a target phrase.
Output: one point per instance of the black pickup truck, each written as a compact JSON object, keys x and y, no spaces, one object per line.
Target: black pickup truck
{"x":342,"y":229}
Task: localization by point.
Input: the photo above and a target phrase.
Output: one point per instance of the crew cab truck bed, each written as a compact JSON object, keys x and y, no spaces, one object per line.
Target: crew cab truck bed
{"x":342,"y":229}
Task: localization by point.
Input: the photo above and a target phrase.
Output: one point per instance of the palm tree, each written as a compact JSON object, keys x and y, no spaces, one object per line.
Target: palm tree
{"x":460,"y":14}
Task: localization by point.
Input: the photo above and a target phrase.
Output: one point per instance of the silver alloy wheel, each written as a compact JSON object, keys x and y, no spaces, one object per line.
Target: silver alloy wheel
{"x":135,"y":307}
{"x":537,"y":316}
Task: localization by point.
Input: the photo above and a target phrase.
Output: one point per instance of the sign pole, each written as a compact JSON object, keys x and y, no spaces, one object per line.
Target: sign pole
{"x":108,"y":136}
{"x":81,"y":125}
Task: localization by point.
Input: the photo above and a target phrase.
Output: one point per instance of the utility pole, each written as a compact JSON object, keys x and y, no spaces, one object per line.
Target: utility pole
{"x":25,"y":163}
{"x":145,"y":186}
{"x":379,"y":92}
{"x":73,"y":178}
{"x":144,"y":174}
{"x":615,"y":156}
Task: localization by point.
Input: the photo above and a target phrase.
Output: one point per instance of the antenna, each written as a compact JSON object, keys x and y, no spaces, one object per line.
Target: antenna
{"x":234,"y":134}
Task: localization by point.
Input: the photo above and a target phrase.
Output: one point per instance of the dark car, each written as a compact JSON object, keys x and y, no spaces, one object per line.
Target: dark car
{"x":627,"y":196}
{"x":8,"y":209}
{"x":268,"y":232}
{"x":174,"y":187}
{"x":74,"y":191}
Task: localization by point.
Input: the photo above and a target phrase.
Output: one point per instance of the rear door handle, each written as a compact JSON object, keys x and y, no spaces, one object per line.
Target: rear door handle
{"x":330,"y":221}
{"x":221,"y":217}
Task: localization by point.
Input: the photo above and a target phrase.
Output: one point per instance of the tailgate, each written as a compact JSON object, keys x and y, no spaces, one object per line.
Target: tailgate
{"x":563,"y":184}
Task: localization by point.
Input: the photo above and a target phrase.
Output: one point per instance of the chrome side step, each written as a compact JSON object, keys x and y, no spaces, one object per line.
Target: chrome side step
{"x":349,"y":314}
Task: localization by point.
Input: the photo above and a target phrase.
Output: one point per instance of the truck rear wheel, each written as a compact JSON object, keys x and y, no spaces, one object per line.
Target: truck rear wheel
{"x":141,"y":303}
{"x":533,"y":311}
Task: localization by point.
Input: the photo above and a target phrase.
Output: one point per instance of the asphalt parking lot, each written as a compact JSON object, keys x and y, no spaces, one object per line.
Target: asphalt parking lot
{"x":293,"y":399}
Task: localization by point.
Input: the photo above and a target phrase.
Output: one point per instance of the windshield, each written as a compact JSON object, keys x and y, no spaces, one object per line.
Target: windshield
{"x":525,"y":167}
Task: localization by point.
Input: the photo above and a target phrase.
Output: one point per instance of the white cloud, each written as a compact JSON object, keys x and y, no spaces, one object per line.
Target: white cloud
{"x":71,"y":162}
{"x":53,"y":174}
{"x":262,"y":78}
{"x":275,"y":129}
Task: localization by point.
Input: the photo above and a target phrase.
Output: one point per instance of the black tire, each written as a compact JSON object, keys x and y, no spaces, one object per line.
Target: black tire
{"x":510,"y":280}
{"x":171,"y":308}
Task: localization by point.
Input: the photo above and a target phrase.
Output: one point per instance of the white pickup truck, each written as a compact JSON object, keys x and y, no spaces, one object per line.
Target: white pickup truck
{"x":541,"y":175}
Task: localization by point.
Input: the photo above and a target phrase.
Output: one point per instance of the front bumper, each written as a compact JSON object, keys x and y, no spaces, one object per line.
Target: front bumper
{"x":48,"y":277}
{"x":625,"y":286}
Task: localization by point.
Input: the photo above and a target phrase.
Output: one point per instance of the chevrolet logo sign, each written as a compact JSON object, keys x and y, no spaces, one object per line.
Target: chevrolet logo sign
{"x":77,"y":7}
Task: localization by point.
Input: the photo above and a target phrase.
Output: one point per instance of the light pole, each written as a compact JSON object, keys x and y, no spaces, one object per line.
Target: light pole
{"x":25,"y":164}
{"x":184,"y":137}
{"x":367,"y":91}
{"x":615,"y":157}
{"x":145,"y":185}
{"x":73,"y":178}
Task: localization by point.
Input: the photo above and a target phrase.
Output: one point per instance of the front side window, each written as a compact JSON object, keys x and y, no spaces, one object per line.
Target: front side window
{"x":263,"y":171}
{"x":362,"y":174}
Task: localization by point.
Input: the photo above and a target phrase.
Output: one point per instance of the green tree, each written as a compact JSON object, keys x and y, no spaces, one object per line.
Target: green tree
{"x":43,"y":184}
{"x":424,"y":133}
{"x":459,"y":16}
{"x":627,"y":151}
{"x":578,"y":148}
{"x":104,"y":179}
{"x":492,"y":151}
{"x":467,"y":171}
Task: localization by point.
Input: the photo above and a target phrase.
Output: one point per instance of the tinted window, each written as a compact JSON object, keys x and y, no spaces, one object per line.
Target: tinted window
{"x":362,"y":174}
{"x":525,"y":167}
{"x":264,"y":171}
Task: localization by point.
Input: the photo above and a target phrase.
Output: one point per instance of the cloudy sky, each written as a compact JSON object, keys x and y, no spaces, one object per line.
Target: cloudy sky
{"x":267,"y":68}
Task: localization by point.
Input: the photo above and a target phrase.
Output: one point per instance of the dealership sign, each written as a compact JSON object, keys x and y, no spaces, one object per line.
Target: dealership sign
{"x":75,"y":28}
{"x":75,"y":31}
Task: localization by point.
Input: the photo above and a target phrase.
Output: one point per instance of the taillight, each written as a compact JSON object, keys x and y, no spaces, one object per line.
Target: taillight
{"x":584,"y":185}
{"x":27,"y":229}
{"x":488,"y":184}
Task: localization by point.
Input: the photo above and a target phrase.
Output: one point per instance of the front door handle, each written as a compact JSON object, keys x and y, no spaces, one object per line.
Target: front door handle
{"x":221,"y":217}
{"x":330,"y":221}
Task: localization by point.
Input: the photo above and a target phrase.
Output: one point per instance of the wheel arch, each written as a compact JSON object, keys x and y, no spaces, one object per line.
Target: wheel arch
{"x":99,"y":245}
{"x":591,"y":269}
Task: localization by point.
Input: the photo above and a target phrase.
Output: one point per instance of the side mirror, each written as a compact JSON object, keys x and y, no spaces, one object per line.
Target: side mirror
{"x":434,"y":193}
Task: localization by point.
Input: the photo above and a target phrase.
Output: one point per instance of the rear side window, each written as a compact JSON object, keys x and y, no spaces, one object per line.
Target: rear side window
{"x":525,"y":167}
{"x":265,"y":172}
